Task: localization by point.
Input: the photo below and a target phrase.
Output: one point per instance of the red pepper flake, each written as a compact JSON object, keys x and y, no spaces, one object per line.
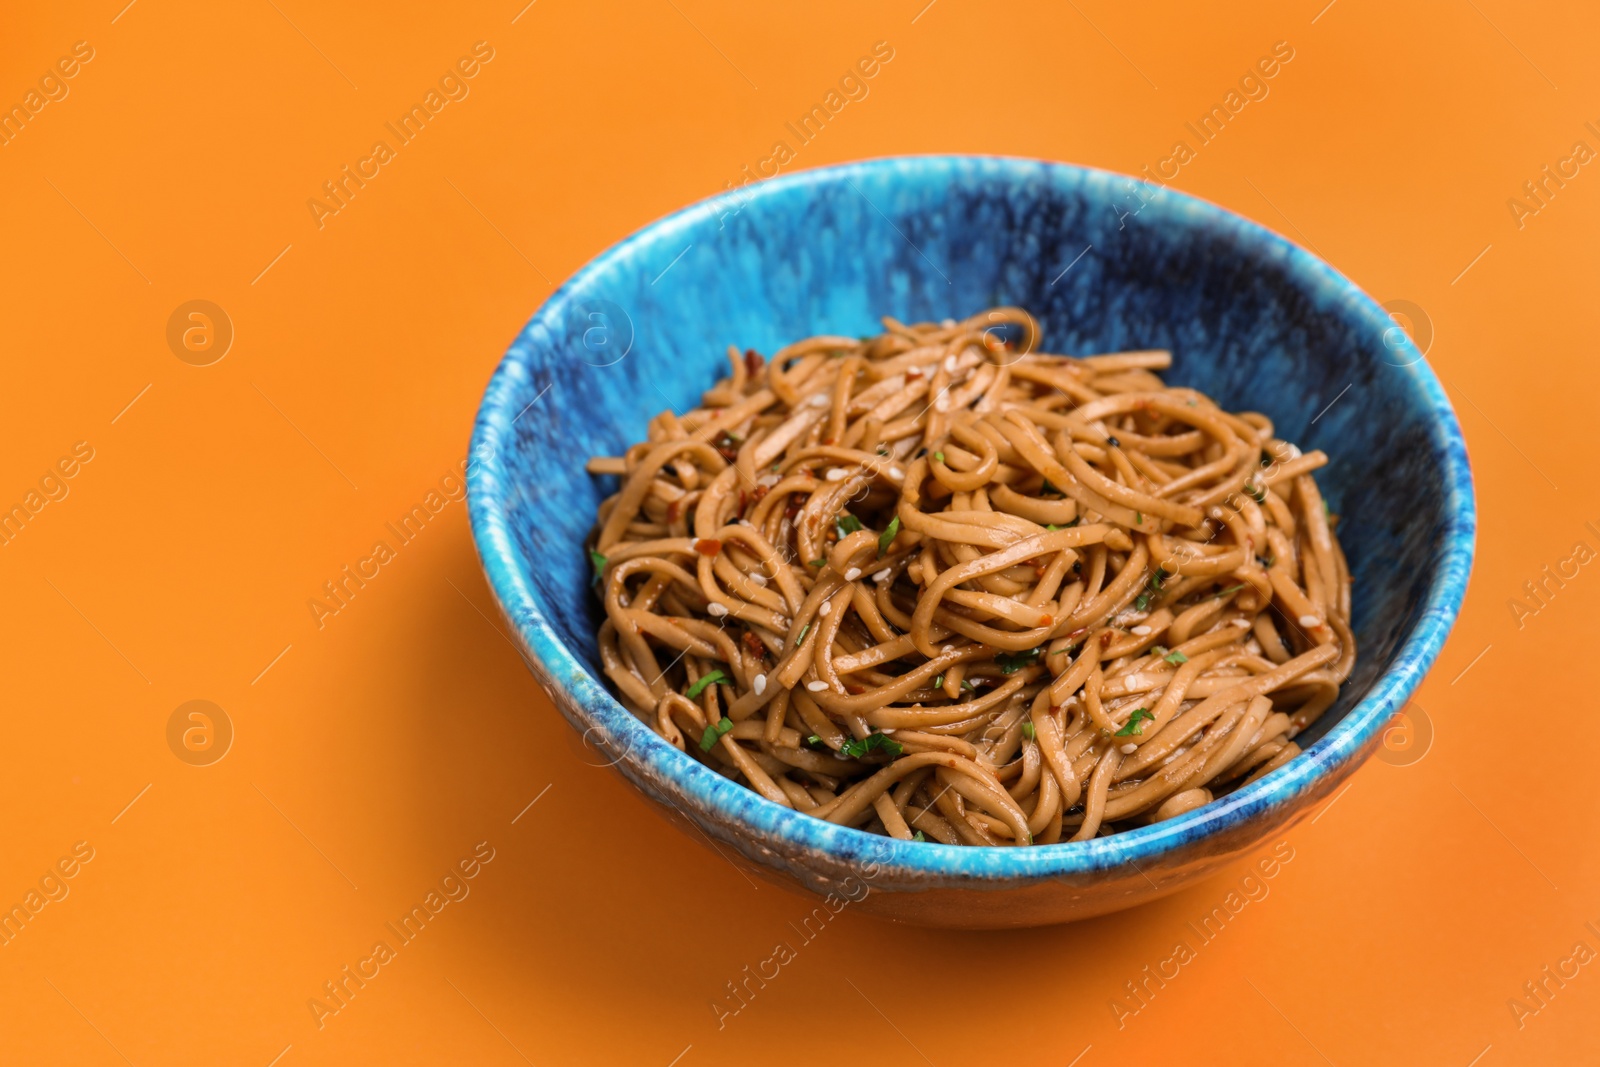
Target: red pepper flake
{"x":854,"y":690}
{"x":708,"y":546}
{"x":793,"y":509}
{"x":753,"y":645}
{"x":673,"y":508}
{"x":1055,"y":710}
{"x":758,"y":493}
{"x":753,"y":362}
{"x":1046,"y":620}
{"x":1106,"y":638}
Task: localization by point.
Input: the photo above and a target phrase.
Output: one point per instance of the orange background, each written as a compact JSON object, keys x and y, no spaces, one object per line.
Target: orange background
{"x":375,"y":752}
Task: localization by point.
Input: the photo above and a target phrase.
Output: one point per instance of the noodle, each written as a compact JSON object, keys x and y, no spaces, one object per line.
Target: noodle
{"x":939,"y":585}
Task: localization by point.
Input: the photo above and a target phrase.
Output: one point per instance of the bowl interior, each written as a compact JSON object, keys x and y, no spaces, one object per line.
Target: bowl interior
{"x":1104,"y":262}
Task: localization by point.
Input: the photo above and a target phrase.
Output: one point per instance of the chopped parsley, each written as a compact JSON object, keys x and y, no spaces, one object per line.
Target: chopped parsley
{"x":708,"y":679}
{"x":919,"y":836}
{"x":1028,"y":731}
{"x":818,"y":562}
{"x":939,"y":456}
{"x":886,"y":538}
{"x":1138,"y":518}
{"x":1176,"y":658}
{"x":1136,"y":721}
{"x":598,"y":562}
{"x":847,"y":525}
{"x":1052,"y":527}
{"x":1142,"y":601}
{"x":855,"y":748}
{"x":714,"y":731}
{"x":1012,"y":662}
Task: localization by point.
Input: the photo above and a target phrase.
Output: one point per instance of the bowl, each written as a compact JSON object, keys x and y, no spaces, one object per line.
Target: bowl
{"x":1106,"y":263}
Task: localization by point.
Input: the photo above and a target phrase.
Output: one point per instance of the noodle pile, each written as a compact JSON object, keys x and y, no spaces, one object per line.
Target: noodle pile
{"x":939,"y":585}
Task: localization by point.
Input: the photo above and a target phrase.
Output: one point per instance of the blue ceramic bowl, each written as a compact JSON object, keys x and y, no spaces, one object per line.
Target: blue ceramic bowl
{"x":1106,"y":263}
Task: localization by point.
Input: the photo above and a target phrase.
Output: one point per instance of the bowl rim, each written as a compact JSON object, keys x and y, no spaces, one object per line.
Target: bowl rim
{"x":715,"y":798}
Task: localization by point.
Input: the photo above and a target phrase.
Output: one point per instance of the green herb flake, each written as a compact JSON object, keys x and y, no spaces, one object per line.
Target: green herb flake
{"x":967,"y":686}
{"x":710,"y":678}
{"x":938,"y":682}
{"x":1141,"y":602}
{"x":813,"y":740}
{"x":818,"y":563}
{"x":1138,"y":518}
{"x":598,"y":562}
{"x":715,"y":730}
{"x":847,"y":525}
{"x":803,"y":631}
{"x":1136,"y":721}
{"x":1176,"y":658}
{"x":1231,"y":589}
{"x":1046,"y":489}
{"x":1012,"y":662}
{"x":1052,"y":527}
{"x":939,"y":456}
{"x":886,"y":538}
{"x":1028,"y":731}
{"x":857,"y":747}
{"x":1158,"y":650}
{"x":1255,"y":492}
{"x":919,"y":836}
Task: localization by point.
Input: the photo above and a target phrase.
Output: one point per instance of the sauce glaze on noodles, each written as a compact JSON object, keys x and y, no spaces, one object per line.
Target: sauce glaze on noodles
{"x":940,"y":585}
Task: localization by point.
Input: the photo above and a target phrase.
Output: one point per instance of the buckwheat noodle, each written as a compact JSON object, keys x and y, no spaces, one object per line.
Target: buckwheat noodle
{"x":939,"y":585}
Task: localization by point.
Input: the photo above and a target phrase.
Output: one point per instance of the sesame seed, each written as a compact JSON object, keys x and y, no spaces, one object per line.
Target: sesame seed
{"x":950,"y":363}
{"x":1310,"y":622}
{"x":759,"y":684}
{"x":819,"y":401}
{"x":836,"y":474}
{"x":1140,"y":630}
{"x":896,"y":473}
{"x":758,"y":578}
{"x":816,"y":687}
{"x":1243,"y":624}
{"x":881,"y":576}
{"x":1129,"y":749}
{"x":717,"y":610}
{"x":826,"y":609}
{"x":852,"y":574}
